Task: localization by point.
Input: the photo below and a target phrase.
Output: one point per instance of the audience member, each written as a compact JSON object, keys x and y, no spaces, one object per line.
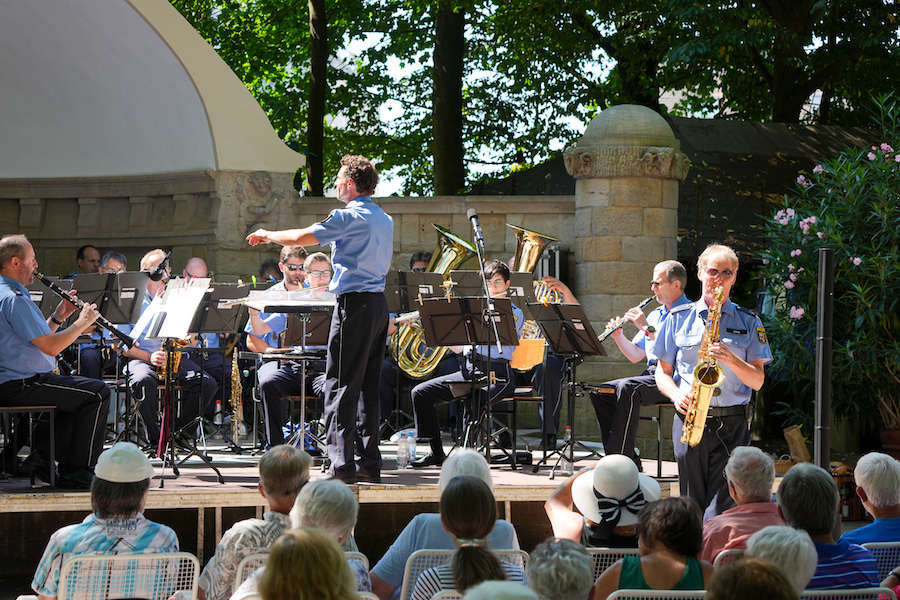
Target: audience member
{"x":669,"y":539}
{"x":877,"y":478}
{"x":808,"y":499}
{"x":500,"y":590}
{"x":791,"y":549}
{"x":749,"y":474}
{"x":607,"y":501}
{"x":330,"y":506}
{"x":283,"y":471}
{"x":304,"y":564}
{"x":750,"y":579}
{"x":468,"y":513}
{"x":560,"y":569}
{"x":116,"y":525}
{"x":426,"y":530}
{"x":113,"y":262}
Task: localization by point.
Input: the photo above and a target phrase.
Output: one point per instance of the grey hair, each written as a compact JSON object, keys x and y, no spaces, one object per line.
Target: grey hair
{"x":316,"y":256}
{"x":753,"y":471}
{"x":809,"y":498}
{"x":465,"y":462}
{"x":789,"y":548}
{"x":12,"y":246}
{"x":284,"y":470}
{"x":499,"y":590}
{"x":879,"y":475}
{"x":114,"y":255}
{"x":560,"y":569}
{"x":151,"y":257}
{"x":674,"y":271}
{"x":328,"y":505}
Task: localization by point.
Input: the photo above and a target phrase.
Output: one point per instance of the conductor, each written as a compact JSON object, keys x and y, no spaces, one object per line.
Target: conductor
{"x":361,"y":236}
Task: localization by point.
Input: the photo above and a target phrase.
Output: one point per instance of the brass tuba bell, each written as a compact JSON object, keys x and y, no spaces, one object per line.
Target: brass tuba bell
{"x":408,"y":347}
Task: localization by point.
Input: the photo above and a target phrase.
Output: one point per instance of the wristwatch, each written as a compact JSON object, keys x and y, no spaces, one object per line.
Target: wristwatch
{"x":649,"y":329}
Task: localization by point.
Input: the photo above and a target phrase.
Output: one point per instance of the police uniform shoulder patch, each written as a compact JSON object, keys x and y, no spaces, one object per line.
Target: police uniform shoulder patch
{"x":761,"y":334}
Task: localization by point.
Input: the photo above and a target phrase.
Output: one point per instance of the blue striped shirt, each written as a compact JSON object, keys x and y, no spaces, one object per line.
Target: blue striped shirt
{"x":99,"y":536}
{"x":844,"y":566}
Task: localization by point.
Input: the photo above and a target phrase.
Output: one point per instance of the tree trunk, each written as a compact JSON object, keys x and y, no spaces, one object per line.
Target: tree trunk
{"x":318,"y":88}
{"x":446,"y":112}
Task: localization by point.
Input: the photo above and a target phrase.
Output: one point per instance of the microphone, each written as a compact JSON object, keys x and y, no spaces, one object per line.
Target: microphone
{"x":160,"y":270}
{"x":479,"y":235}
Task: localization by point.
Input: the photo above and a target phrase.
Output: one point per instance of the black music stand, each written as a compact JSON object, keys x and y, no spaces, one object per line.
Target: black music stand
{"x":46,"y":299}
{"x":466,"y":322}
{"x":216,"y":315}
{"x":118,"y":296}
{"x":306,"y":328}
{"x":570,"y":335}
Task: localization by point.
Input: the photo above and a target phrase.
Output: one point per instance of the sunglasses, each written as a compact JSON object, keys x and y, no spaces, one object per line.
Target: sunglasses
{"x":713,"y":272}
{"x":293,"y":268}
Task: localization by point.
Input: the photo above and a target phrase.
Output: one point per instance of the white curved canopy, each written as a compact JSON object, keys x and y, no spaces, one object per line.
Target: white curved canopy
{"x":92,"y":88}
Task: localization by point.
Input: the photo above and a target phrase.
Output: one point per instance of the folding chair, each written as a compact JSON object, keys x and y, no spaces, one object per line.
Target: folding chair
{"x":247,"y":566}
{"x":642,"y":594}
{"x":728,"y":556}
{"x":158,"y":576}
{"x":603,"y":558}
{"x":422,"y":560}
{"x":887,"y":555}
{"x":860,"y":594}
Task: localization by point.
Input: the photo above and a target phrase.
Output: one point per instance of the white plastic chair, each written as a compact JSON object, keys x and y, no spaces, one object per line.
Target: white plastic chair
{"x":152,"y":576}
{"x":887,"y":555}
{"x":726,"y":557}
{"x":447,"y":595}
{"x":366,"y":596}
{"x":603,"y":558}
{"x":860,"y":594}
{"x":246,"y":567}
{"x":422,"y":560}
{"x":360,"y":556}
{"x":642,"y":594}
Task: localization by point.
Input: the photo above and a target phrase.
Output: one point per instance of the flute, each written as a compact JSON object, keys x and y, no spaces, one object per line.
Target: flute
{"x":609,"y":332}
{"x":101,"y":320}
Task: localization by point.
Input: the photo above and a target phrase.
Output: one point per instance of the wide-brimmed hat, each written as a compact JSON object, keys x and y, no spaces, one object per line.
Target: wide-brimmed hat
{"x":123,"y":463}
{"x":613,"y":492}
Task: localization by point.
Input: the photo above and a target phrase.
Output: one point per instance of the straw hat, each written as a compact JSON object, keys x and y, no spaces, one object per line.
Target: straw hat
{"x":614,"y":481}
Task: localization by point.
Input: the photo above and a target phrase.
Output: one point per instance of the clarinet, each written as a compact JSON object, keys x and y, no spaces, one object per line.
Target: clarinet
{"x":609,"y":332}
{"x":101,"y":320}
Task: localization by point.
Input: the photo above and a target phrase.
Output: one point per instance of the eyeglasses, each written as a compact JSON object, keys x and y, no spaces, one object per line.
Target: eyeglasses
{"x":713,"y":272}
{"x":293,"y":268}
{"x":418,"y":269}
{"x":496,"y":282}
{"x":319,"y":273}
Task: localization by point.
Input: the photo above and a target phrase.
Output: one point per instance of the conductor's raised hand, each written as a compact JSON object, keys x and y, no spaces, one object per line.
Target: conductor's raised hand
{"x":260,"y":236}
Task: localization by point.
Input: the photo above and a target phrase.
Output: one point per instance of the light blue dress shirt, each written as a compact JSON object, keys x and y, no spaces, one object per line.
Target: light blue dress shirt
{"x":678,"y":344}
{"x":20,"y":322}
{"x":507,"y":350}
{"x":655,"y":318}
{"x":142,"y":341}
{"x":362,"y":243}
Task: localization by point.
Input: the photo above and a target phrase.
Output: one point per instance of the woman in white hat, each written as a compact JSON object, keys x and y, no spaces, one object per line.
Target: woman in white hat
{"x":670,"y":536}
{"x":607,"y":501}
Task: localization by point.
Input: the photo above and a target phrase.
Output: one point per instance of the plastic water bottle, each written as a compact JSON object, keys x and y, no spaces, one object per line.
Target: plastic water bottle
{"x":411,"y":447}
{"x":565,"y":464}
{"x":402,"y":452}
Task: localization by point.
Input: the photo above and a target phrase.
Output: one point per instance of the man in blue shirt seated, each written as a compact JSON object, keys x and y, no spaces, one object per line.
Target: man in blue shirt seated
{"x":742,"y":352}
{"x":877,"y":478}
{"x":97,"y":358}
{"x":426,"y":395}
{"x":116,"y":526}
{"x":808,"y":499}
{"x":29,"y":345}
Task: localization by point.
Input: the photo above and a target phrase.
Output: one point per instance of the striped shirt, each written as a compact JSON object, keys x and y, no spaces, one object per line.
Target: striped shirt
{"x":437,"y":579}
{"x":99,"y":536}
{"x":251,"y":536}
{"x":844,"y":566}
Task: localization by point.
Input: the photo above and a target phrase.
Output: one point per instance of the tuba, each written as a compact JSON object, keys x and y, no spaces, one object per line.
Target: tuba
{"x":708,"y":376}
{"x":408,"y":347}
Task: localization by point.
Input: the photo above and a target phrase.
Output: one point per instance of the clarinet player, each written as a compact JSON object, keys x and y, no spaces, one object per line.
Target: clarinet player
{"x":741,"y":350}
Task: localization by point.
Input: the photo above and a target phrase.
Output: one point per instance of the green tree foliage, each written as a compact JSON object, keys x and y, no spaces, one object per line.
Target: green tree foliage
{"x":849,"y":203}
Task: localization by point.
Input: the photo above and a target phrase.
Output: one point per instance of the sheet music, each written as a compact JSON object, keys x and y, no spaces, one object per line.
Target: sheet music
{"x":306,"y":297}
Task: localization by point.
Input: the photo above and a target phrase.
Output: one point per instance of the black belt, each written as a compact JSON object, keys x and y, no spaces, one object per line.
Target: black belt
{"x":727,"y":411}
{"x":17,"y":385}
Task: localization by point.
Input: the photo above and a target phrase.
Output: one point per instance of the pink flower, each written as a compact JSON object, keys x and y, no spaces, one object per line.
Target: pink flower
{"x":790,"y":213}
{"x":804,"y":226}
{"x":886,"y":148}
{"x":790,"y":267}
{"x":789,"y":284}
{"x":812,"y":220}
{"x":792,"y":277}
{"x":800,"y":270}
{"x":818,"y":169}
{"x":821,"y":234}
{"x":897,"y":158}
{"x":871,"y":156}
{"x":856,"y":261}
{"x":796,"y":252}
{"x":797,"y":312}
{"x":765,"y":261}
{"x":802,"y":180}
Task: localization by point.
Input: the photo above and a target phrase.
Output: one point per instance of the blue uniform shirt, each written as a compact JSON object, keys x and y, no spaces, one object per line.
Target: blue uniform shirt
{"x":142,"y":342}
{"x":678,"y":343}
{"x":362,"y":242}
{"x":20,"y":322}
{"x":655,"y":318}
{"x":507,"y":350}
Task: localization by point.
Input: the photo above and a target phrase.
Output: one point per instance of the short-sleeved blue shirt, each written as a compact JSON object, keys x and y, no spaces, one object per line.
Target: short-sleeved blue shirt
{"x":277,"y":322}
{"x":142,"y":341}
{"x":362,"y":243}
{"x":655,"y":318}
{"x":507,"y":350}
{"x":20,"y":322}
{"x":678,"y":343}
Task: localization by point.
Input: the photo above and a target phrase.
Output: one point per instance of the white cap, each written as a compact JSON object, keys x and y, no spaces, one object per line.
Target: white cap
{"x":123,"y":463}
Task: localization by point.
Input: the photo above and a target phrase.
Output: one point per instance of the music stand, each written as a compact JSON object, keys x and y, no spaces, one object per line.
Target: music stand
{"x":465,"y":322}
{"x":569,"y":334}
{"x":521,"y":291}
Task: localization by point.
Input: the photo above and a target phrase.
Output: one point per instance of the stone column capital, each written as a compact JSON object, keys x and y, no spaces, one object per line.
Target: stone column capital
{"x":603,"y":160}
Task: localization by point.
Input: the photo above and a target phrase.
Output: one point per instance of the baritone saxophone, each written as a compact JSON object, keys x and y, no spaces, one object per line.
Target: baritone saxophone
{"x":708,"y":376}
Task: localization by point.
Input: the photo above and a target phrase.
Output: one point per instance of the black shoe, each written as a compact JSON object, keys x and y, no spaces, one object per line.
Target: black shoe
{"x":79,"y":479}
{"x":36,"y":465}
{"x":429,"y":460}
{"x":348,"y":478}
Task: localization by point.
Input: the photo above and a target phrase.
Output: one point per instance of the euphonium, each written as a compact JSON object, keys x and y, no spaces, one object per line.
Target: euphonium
{"x":408,"y":346}
{"x":530,"y":246}
{"x":708,"y":376}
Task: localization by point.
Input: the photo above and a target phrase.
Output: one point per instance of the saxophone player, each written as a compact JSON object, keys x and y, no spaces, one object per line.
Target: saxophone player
{"x":742,"y":352}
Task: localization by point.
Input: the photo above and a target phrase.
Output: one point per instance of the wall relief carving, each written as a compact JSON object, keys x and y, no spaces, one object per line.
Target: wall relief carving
{"x":626,"y":161}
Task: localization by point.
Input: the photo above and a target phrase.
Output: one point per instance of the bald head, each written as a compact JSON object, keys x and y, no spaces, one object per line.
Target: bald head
{"x":195,"y":267}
